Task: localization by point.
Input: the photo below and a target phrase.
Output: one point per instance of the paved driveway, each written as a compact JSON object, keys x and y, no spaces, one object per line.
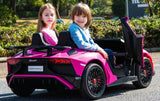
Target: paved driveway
{"x":125,"y":92}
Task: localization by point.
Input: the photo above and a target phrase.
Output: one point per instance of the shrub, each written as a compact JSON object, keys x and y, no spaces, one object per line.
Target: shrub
{"x":11,"y":36}
{"x":62,"y":27}
{"x":6,"y":16}
{"x":106,"y":29}
{"x":149,"y":27}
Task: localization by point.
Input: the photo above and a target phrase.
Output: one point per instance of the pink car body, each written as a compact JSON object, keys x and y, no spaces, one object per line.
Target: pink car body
{"x":79,"y":62}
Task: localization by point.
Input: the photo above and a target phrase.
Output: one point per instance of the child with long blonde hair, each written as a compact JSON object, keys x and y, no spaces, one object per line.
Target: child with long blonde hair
{"x":46,"y":24}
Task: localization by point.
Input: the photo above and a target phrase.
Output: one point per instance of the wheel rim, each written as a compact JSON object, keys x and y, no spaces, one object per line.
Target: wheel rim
{"x":146,"y":73}
{"x":96,"y":81}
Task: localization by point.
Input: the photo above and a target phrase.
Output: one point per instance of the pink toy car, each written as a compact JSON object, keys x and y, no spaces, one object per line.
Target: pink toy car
{"x":65,"y":66}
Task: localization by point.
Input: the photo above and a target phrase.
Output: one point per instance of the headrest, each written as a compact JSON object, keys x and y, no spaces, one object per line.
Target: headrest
{"x":65,"y":39}
{"x":37,"y":39}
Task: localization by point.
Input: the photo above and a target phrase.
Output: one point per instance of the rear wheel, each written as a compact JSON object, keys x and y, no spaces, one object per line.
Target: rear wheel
{"x":144,"y":74}
{"x":93,"y":82}
{"x":22,"y":91}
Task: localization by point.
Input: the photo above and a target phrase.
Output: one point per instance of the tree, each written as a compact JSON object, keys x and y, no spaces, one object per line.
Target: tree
{"x":56,"y":4}
{"x":66,"y":5}
{"x":118,"y":8}
{"x":153,"y":7}
{"x":13,"y":6}
{"x":89,"y":2}
{"x":149,"y":6}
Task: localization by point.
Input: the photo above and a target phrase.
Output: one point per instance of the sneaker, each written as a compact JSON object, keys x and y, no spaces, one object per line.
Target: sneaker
{"x":119,"y":66}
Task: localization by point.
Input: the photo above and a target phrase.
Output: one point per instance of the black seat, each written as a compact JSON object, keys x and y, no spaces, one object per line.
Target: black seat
{"x":65,"y":39}
{"x":133,"y":42}
{"x":37,"y":39}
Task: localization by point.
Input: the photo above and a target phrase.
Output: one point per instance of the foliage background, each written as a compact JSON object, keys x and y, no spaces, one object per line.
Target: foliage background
{"x":148,"y":27}
{"x":13,"y":35}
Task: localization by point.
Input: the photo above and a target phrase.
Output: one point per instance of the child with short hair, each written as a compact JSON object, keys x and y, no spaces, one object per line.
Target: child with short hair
{"x":79,"y":30}
{"x":46,"y":23}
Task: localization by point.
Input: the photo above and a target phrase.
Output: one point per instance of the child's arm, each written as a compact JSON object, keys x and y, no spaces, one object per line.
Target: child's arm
{"x":100,"y":50}
{"x":79,"y":40}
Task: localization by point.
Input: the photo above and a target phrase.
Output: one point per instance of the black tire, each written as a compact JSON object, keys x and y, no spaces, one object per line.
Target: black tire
{"x":93,"y":82}
{"x":22,"y":91}
{"x":144,"y":74}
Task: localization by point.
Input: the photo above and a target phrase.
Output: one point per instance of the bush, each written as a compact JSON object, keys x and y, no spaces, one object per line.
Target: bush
{"x":11,"y":36}
{"x":106,"y":29}
{"x":62,"y":27}
{"x":6,"y":16}
{"x":149,"y":27}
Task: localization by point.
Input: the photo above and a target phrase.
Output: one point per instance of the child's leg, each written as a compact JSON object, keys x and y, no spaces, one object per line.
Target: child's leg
{"x":112,"y":59}
{"x":111,"y":56}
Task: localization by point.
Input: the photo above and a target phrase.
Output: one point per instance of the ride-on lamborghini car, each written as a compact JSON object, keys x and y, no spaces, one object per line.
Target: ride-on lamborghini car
{"x":40,"y":66}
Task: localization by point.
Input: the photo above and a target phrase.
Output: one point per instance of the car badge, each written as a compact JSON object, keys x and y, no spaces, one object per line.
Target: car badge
{"x":33,"y":60}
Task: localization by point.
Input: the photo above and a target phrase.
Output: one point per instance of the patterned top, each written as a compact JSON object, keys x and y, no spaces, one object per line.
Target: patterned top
{"x":50,"y":36}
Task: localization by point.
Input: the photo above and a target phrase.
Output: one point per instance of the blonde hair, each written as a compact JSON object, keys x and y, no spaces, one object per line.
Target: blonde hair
{"x":41,"y":24}
{"x":80,"y":9}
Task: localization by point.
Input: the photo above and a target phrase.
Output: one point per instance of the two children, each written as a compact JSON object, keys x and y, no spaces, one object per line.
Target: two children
{"x":81,"y":17}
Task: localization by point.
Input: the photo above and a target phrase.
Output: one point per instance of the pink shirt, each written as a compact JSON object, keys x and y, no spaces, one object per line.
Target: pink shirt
{"x":50,"y":36}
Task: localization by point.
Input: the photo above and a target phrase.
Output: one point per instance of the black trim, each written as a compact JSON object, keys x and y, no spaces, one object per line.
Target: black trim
{"x":49,"y":48}
{"x":42,"y":82}
{"x":116,"y":45}
{"x":72,"y":51}
{"x":123,"y":80}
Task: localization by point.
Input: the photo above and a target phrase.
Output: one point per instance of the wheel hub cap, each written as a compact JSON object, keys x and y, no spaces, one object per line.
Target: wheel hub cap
{"x":144,"y":72}
{"x":94,"y":81}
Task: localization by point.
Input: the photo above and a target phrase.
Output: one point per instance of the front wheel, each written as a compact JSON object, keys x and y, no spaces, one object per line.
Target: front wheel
{"x":144,"y":74}
{"x":93,"y":82}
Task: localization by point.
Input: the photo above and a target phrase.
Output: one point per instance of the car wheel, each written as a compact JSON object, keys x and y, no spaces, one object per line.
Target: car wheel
{"x":93,"y":82}
{"x":22,"y":91}
{"x":144,"y":74}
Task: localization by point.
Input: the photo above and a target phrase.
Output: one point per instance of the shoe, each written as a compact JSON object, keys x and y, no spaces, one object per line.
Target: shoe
{"x":119,"y":66}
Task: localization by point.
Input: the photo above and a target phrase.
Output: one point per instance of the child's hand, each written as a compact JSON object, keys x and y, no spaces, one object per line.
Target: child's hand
{"x":100,"y":50}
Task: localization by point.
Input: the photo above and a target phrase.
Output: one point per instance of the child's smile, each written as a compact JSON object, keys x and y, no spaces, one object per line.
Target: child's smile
{"x":81,"y":20}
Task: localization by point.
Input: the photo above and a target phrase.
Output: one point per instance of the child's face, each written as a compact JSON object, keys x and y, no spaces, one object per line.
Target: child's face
{"x":81,"y":20}
{"x":48,"y":17}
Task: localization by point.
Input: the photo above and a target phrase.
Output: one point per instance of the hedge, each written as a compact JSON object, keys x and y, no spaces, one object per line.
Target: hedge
{"x":149,"y":27}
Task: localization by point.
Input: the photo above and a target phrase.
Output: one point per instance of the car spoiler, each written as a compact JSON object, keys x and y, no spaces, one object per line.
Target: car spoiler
{"x":48,"y":47}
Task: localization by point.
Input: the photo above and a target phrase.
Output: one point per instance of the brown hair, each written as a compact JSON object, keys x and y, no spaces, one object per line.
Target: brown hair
{"x":80,"y":9}
{"x":41,"y":24}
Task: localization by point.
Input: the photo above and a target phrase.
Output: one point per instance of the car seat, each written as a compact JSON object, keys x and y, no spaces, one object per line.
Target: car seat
{"x":65,"y":39}
{"x":37,"y":39}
